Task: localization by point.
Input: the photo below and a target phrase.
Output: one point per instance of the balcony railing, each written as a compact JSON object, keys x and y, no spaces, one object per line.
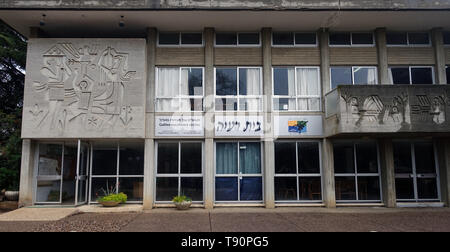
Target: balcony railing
{"x":388,"y":109}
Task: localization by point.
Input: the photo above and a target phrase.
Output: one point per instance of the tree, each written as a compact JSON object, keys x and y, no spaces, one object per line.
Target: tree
{"x":12,"y":77}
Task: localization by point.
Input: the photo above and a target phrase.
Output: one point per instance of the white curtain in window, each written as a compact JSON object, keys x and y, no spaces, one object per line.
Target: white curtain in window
{"x":307,"y":85}
{"x":168,"y":87}
{"x":253,"y":81}
{"x":371,"y":76}
{"x":291,"y":85}
{"x":185,"y":104}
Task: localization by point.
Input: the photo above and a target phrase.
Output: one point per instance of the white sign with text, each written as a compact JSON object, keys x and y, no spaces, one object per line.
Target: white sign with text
{"x":179,"y":126}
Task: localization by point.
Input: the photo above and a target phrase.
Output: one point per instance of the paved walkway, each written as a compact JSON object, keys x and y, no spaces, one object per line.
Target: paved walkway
{"x":248,"y":220}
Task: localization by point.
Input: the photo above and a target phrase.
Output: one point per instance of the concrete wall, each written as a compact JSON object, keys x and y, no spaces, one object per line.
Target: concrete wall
{"x":81,"y":88}
{"x":228,"y":4}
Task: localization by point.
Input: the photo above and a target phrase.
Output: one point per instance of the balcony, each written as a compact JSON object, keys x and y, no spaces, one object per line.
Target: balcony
{"x":388,"y":109}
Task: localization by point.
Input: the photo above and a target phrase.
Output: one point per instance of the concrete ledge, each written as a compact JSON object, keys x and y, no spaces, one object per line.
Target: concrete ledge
{"x":38,"y":214}
{"x":119,"y":209}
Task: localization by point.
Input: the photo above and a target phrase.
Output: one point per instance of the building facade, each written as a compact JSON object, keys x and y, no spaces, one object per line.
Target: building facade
{"x":249,"y":103}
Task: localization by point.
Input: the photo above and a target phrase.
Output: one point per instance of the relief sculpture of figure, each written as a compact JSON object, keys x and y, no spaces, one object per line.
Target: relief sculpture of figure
{"x":438,"y":110}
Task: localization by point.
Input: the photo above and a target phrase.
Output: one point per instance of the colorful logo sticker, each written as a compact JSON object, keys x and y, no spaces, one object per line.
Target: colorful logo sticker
{"x":297,"y":126}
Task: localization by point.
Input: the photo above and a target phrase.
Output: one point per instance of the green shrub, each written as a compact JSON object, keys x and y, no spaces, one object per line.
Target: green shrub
{"x":180,"y":199}
{"x":121,"y":197}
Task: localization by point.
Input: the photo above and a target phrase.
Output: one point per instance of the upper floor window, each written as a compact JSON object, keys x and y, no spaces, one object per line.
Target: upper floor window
{"x":408,"y":38}
{"x":356,"y":75}
{"x":447,"y":69}
{"x":238,"y":89}
{"x":238,"y":39}
{"x":446,"y":38}
{"x":179,"y":89}
{"x":411,"y":75}
{"x":180,"y":39}
{"x":294,"y":39}
{"x":296,"y":89}
{"x":351,"y":39}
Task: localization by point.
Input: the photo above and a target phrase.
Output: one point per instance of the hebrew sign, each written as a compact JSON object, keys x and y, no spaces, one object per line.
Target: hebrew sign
{"x":239,"y":126}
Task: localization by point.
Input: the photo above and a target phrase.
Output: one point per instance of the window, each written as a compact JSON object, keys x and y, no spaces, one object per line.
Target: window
{"x":180,"y":39}
{"x":120,"y":166}
{"x":411,"y":75}
{"x":179,"y":89}
{"x":351,"y":39}
{"x":296,"y":89}
{"x":446,"y":38}
{"x":447,"y":69}
{"x":408,"y":38}
{"x":239,"y":89}
{"x":353,"y":75}
{"x":297,"y":172}
{"x":179,"y":171}
{"x":294,"y":39}
{"x":357,"y":174}
{"x":237,"y":39}
{"x":238,"y":172}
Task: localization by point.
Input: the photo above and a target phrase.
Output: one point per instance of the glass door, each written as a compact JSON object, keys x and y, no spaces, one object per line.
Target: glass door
{"x":416,"y":177}
{"x":48,"y":181}
{"x":82,"y":173}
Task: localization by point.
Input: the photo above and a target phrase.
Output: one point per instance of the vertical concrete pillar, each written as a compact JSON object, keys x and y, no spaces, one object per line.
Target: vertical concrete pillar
{"x":439,"y":53}
{"x":209,"y":118}
{"x":27,"y":173}
{"x":387,"y":172}
{"x":149,"y":163}
{"x":383,"y":67}
{"x":324,"y":60}
{"x":329,"y":190}
{"x":269,"y":151}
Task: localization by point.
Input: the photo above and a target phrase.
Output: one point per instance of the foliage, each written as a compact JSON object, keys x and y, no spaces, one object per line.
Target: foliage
{"x":119,"y":197}
{"x":12,"y":75}
{"x":181,"y":199}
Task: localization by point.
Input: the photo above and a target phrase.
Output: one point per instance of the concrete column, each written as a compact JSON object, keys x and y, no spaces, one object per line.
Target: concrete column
{"x":329,"y":190}
{"x":27,"y":173}
{"x":209,"y":118}
{"x":324,"y":60}
{"x":383,"y":67}
{"x":439,"y":53}
{"x":149,"y":163}
{"x":387,"y":172}
{"x":149,"y":173}
{"x":269,"y":151}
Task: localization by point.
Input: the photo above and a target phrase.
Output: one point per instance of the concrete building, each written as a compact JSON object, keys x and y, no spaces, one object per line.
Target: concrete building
{"x":236,"y":103}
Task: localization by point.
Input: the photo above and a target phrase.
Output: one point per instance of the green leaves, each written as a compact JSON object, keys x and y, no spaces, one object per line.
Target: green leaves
{"x":180,"y":199}
{"x":120,"y":197}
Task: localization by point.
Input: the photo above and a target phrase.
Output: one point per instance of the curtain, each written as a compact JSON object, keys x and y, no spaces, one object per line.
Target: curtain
{"x":226,"y":158}
{"x":168,"y":81}
{"x":250,"y":158}
{"x":371,"y":76}
{"x":253,"y":81}
{"x":307,"y":85}
{"x":291,"y":85}
{"x":185,"y":104}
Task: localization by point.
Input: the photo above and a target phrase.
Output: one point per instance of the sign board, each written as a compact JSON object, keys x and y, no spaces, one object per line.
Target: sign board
{"x":298,"y":126}
{"x":240,"y":126}
{"x":179,"y":126}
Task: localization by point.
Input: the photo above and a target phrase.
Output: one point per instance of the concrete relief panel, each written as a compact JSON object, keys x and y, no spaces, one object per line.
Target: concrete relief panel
{"x":85,"y":88}
{"x":395,"y":109}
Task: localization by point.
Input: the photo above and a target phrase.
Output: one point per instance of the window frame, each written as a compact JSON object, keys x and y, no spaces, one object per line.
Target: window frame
{"x":356,"y":174}
{"x":237,"y":41}
{"x":353,"y":74}
{"x":300,"y":175}
{"x":351,"y":40}
{"x":178,"y":175}
{"x":297,"y":97}
{"x":180,"y":42}
{"x":240,"y":175}
{"x":433,"y":74}
{"x":238,"y":96}
{"x":295,"y":44}
{"x":180,"y":97}
{"x":408,"y":44}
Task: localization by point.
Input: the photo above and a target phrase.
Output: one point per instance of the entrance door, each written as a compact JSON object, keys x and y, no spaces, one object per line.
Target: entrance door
{"x":416,"y":177}
{"x":81,"y":178}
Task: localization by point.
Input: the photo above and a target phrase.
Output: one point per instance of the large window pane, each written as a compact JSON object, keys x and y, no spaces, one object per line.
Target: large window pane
{"x":285,"y":188}
{"x":50,"y":159}
{"x":166,"y":188}
{"x":310,"y":188}
{"x":104,"y":160}
{"x":365,"y":76}
{"x":283,"y":38}
{"x":284,"y":104}
{"x":362,"y":39}
{"x":404,"y":188}
{"x":168,"y":82}
{"x":191,"y":38}
{"x":250,"y":158}
{"x":424,"y":154}
{"x":192,"y":81}
{"x":226,"y":81}
{"x":101,"y":186}
{"x":419,"y":38}
{"x":192,"y":188}
{"x":167,"y":158}
{"x":400,"y":75}
{"x":446,"y":38}
{"x":427,"y":188}
{"x":48,"y":191}
{"x":285,"y":158}
{"x":226,"y":158}
{"x":249,"y":81}
{"x":308,"y":157}
{"x":369,"y":188}
{"x":345,"y":188}
{"x":251,"y":188}
{"x":169,"y":38}
{"x":305,"y":38}
{"x":226,"y":39}
{"x":422,"y":75}
{"x":284,"y":81}
{"x":341,"y":76}
{"x":397,"y":38}
{"x":191,"y":158}
{"x":448,"y":75}
{"x":132,"y":187}
{"x":226,"y":104}
{"x":402,"y":158}
{"x":227,"y":189}
{"x":340,"y":39}
{"x":248,"y":38}
{"x":308,"y":81}
{"x":367,"y":157}
{"x":344,"y":158}
{"x":131,"y":159}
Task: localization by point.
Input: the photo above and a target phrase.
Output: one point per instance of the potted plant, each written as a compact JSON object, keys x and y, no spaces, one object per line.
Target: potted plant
{"x":182,"y":202}
{"x":111,"y":198}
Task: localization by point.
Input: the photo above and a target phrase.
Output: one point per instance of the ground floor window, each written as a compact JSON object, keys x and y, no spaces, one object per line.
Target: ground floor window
{"x":118,"y":167}
{"x":238,"y":172}
{"x":179,"y":171}
{"x":416,"y":177}
{"x":298,"y":172}
{"x":357,"y":173}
